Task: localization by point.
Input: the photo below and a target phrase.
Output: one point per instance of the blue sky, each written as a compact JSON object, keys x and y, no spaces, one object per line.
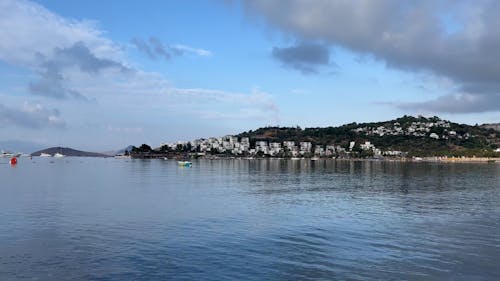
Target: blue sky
{"x":101,"y":75}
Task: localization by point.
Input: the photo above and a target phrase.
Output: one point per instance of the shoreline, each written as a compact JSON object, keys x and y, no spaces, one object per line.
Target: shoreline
{"x":429,"y":159}
{"x":462,"y":159}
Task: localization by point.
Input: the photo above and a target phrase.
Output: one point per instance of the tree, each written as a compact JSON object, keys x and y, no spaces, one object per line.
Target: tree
{"x":366,"y":153}
{"x":145,"y":148}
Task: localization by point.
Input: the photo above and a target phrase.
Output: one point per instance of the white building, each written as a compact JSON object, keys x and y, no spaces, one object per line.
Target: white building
{"x":289,"y":144}
{"x":351,"y":145}
{"x":367,"y":146}
{"x":319,"y":150}
{"x":393,"y":153}
{"x":262,"y":146}
{"x":305,"y":147}
{"x":275,"y":148}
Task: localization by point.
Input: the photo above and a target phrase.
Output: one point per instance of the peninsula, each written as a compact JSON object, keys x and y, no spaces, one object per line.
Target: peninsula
{"x":405,"y":137}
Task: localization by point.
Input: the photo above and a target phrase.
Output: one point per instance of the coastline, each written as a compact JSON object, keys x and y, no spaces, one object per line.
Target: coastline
{"x":462,"y":159}
{"x":429,"y":159}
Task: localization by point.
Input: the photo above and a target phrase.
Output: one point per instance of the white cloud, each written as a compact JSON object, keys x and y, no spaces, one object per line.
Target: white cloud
{"x":75,"y":60}
{"x":224,"y":106}
{"x":197,"y":51}
{"x":457,"y":40}
{"x":156,"y":49}
{"x":27,"y":28}
{"x":30,"y":115}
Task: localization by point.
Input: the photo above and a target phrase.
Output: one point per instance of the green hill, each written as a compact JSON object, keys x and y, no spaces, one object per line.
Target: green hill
{"x":419,"y":136}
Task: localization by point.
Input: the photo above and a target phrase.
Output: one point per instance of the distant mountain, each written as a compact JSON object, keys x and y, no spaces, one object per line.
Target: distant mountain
{"x":19,"y":146}
{"x":119,"y":152}
{"x":68,"y":152}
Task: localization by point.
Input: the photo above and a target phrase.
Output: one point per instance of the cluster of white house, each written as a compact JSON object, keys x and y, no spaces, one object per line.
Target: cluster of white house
{"x":417,"y":129}
{"x":241,"y":146}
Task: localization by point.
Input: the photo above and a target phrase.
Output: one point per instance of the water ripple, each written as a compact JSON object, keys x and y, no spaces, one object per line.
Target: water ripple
{"x":106,"y":219}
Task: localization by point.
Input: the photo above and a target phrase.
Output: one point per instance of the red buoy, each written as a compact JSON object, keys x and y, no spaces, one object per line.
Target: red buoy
{"x":13,"y":161}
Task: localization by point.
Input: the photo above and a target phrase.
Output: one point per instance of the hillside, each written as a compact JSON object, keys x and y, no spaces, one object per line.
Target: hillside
{"x":68,"y":152}
{"x":494,"y":126}
{"x":416,"y":135}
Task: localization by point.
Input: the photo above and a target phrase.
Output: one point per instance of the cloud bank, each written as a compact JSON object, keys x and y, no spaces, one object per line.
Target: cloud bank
{"x":56,"y":49}
{"x":63,"y":60}
{"x":31,"y":116}
{"x":305,"y":57}
{"x":454,"y":39}
{"x":72,"y":61}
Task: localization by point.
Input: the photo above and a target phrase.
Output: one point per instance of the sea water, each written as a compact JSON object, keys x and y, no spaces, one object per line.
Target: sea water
{"x":131,"y":219}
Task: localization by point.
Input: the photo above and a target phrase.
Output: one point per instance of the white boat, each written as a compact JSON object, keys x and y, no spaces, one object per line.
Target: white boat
{"x":45,"y":155}
{"x":7,"y":154}
{"x":184,"y":163}
{"x":295,"y":158}
{"x":58,"y":155}
{"x":315,"y":159}
{"x":122,"y":156}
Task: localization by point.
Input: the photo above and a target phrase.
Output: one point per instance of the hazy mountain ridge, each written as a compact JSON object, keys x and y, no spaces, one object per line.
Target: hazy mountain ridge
{"x":19,"y":146}
{"x":119,"y":152}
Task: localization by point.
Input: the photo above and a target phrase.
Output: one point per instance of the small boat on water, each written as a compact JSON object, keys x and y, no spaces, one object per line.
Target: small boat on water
{"x":6,"y":155}
{"x":315,"y":159}
{"x":45,"y":155}
{"x":184,"y":163}
{"x":58,"y":155}
{"x":9,"y":155}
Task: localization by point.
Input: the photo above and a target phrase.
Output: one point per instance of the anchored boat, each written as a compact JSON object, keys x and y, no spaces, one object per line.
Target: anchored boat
{"x":184,"y":163}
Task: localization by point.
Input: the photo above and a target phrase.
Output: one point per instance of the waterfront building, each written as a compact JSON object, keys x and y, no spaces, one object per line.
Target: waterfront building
{"x":305,"y":147}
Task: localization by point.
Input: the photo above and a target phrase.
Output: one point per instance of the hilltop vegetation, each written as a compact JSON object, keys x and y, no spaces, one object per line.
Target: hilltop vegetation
{"x":419,"y":136}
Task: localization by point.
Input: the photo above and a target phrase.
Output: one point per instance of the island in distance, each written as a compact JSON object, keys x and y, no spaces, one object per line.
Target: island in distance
{"x":68,"y":152}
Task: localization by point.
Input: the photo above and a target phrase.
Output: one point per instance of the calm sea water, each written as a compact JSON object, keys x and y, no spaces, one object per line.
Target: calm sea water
{"x":111,"y":219}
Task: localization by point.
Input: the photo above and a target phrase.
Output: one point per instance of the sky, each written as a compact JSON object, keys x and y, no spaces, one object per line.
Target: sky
{"x":101,"y":75}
